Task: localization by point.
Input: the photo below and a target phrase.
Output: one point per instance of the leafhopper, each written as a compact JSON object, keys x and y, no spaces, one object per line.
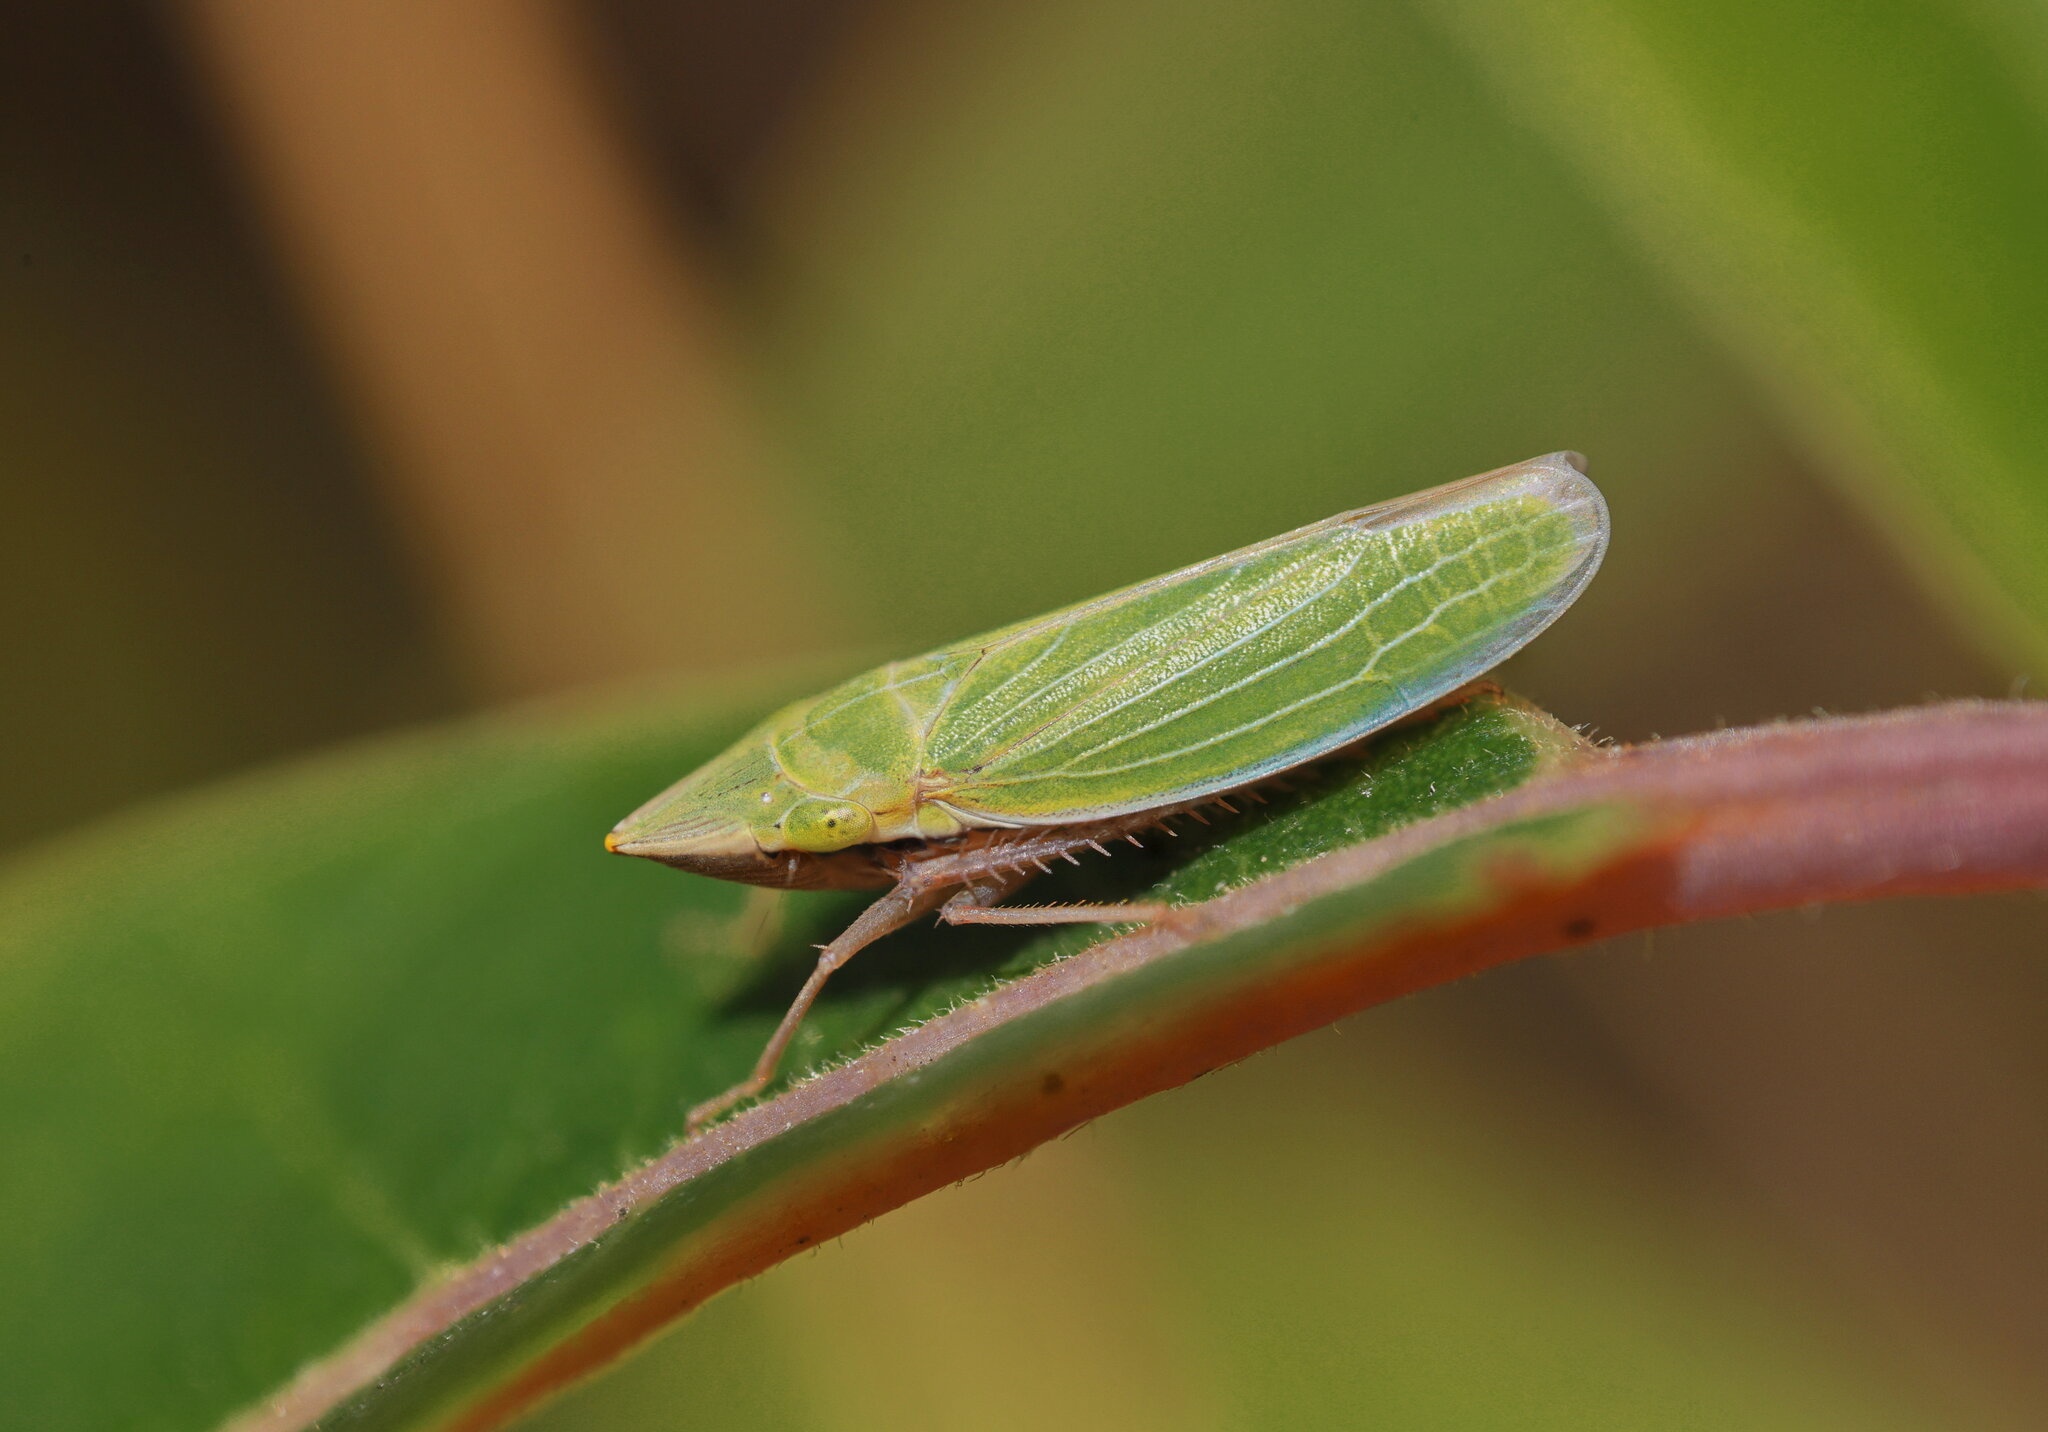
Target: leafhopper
{"x":949,"y":780}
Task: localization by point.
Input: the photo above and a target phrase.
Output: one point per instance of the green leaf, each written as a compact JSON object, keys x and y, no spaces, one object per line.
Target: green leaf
{"x":1854,"y":198}
{"x":277,"y":1060}
{"x":274,"y":1056}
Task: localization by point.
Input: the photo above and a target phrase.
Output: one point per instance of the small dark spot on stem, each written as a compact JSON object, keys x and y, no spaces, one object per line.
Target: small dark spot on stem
{"x":1052,"y":1084}
{"x":1580,"y":928}
{"x":803,"y":1240}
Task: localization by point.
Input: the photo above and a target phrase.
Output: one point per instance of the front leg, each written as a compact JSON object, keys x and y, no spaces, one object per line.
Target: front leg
{"x":914,"y":894}
{"x":979,"y":877}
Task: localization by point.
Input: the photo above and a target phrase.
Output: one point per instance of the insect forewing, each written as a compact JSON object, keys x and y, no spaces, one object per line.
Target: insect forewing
{"x":1246,"y":664}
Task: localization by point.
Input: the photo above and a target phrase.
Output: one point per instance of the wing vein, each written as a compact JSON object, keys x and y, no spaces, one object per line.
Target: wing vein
{"x":1181,"y":675}
{"x":1324,"y":694}
{"x":1112,"y":681}
{"x":1336,"y":634}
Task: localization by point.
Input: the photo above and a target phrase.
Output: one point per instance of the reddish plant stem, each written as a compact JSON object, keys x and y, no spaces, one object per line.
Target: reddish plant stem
{"x":1938,"y":800}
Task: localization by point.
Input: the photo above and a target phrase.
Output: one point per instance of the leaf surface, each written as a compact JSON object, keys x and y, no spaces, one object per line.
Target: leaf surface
{"x":386,"y":1046}
{"x":336,"y":1029}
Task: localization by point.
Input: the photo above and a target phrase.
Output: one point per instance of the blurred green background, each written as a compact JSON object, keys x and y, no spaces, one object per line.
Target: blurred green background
{"x":364,"y":363}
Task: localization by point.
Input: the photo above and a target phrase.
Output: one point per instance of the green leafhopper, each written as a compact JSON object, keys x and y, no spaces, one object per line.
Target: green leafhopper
{"x":951,"y":779}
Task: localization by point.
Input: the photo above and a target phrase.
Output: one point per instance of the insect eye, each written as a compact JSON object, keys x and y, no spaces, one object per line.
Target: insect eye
{"x":818,"y":827}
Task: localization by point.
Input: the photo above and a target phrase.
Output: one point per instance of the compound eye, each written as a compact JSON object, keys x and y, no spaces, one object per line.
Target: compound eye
{"x":820,"y":826}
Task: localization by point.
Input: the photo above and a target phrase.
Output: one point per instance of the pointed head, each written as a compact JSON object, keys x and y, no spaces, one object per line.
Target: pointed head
{"x":738,"y":817}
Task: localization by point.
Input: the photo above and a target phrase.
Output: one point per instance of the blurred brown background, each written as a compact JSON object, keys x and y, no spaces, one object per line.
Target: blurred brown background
{"x":366,"y":363}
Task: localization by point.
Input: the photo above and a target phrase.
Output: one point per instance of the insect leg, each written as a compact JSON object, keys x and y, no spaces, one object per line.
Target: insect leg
{"x":981,"y":902}
{"x":910,"y":898}
{"x":958,"y":911}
